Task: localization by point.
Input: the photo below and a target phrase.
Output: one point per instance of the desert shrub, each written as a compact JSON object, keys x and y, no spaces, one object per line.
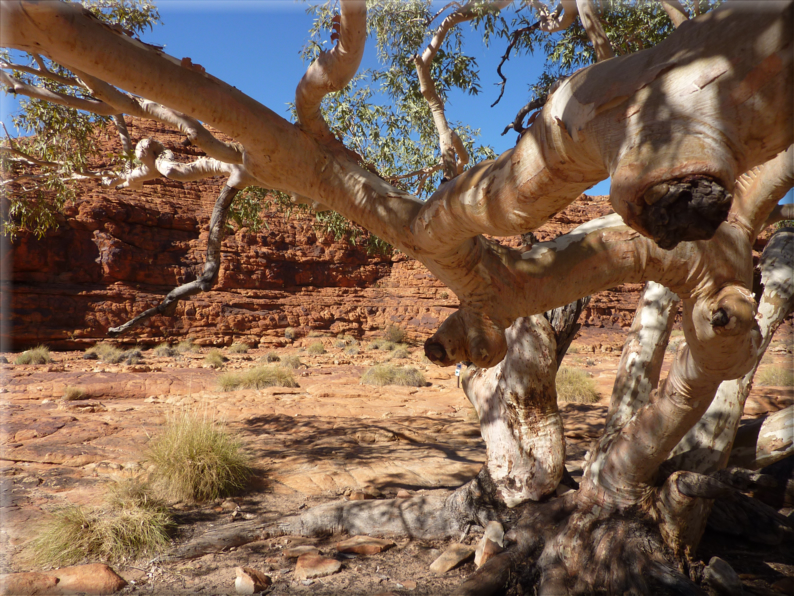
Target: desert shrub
{"x":444,"y":295}
{"x":74,"y":393}
{"x":316,"y":347}
{"x":258,"y":378}
{"x":400,"y":352}
{"x":290,"y":333}
{"x":394,"y":334}
{"x":352,"y":350}
{"x":315,"y":334}
{"x":132,"y":525}
{"x":292,"y":361}
{"x":216,"y":359}
{"x":165,"y":351}
{"x":239,"y":348}
{"x":271,"y":357}
{"x":775,"y":376}
{"x":133,"y":356}
{"x":108,"y":353}
{"x":183,"y":347}
{"x":383,"y":374}
{"x":576,"y":386}
{"x":382,"y":344}
{"x":197,"y":459}
{"x":340,"y":343}
{"x":37,"y":355}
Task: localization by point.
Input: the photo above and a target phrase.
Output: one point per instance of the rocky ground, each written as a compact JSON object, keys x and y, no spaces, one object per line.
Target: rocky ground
{"x":331,"y":438}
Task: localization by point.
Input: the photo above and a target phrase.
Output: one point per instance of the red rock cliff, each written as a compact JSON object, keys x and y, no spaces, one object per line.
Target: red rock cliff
{"x":117,"y":253}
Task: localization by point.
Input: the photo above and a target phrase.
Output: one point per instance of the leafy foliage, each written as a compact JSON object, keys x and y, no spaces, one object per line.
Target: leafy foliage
{"x":61,"y":137}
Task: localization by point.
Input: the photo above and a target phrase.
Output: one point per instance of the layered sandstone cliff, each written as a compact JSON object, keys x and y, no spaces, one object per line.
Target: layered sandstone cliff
{"x":117,"y":253}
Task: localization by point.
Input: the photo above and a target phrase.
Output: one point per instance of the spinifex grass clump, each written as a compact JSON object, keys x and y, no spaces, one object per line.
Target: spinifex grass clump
{"x":316,"y":347}
{"x":72,"y":393}
{"x":215,"y":359}
{"x":576,"y":386}
{"x":383,"y":374}
{"x":131,"y":525}
{"x":394,"y":334}
{"x":197,"y":459}
{"x":183,"y":347}
{"x":271,"y":357}
{"x":37,"y":355}
{"x":382,"y":344}
{"x":239,"y":348}
{"x":165,"y":351}
{"x":291,"y":361}
{"x":258,"y":378}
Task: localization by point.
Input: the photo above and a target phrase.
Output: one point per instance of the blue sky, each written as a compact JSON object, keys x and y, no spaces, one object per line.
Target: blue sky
{"x":255,"y":44}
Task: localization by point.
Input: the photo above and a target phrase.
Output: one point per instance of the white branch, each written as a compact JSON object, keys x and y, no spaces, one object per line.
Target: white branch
{"x":42,"y":71}
{"x":592,"y":26}
{"x":677,"y":13}
{"x":35,"y":92}
{"x":332,"y":70}
{"x":559,"y":20}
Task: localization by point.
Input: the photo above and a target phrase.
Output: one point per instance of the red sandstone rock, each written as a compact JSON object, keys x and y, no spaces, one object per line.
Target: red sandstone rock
{"x":364,"y":545}
{"x":311,"y":566}
{"x":80,"y":579}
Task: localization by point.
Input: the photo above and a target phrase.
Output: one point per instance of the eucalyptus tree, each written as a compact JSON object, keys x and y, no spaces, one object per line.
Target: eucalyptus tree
{"x":695,"y":137}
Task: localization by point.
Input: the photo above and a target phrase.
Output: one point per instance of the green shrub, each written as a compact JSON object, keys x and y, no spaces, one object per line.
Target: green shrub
{"x":165,"y":351}
{"x":394,"y":334}
{"x":775,"y":376}
{"x":271,"y":357}
{"x":258,"y":378}
{"x":132,"y":525}
{"x":37,"y":355}
{"x":216,"y":359}
{"x":183,"y":347}
{"x":316,"y":347}
{"x":574,"y":385}
{"x":290,"y":333}
{"x":239,"y":348}
{"x":74,"y":393}
{"x":383,"y":374}
{"x":292,"y":361}
{"x":197,"y":459}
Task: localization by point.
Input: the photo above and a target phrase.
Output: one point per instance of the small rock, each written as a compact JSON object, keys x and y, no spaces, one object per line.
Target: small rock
{"x":722,"y":578}
{"x":3,"y":360}
{"x":364,"y":545}
{"x":403,"y":494}
{"x":250,"y":581}
{"x":409,"y":584}
{"x":22,"y":584}
{"x":492,"y":543}
{"x":360,"y":495}
{"x":311,"y":566}
{"x":80,"y":579}
{"x":90,"y":356}
{"x":456,"y":554}
{"x":293,"y":552}
{"x":229,"y":505}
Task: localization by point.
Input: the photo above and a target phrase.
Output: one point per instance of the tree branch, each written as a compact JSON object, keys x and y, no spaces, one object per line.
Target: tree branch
{"x":124,"y":135}
{"x":42,"y":71}
{"x":780,"y":213}
{"x":595,"y":32}
{"x":89,"y":105}
{"x":206,"y":280}
{"x":677,"y":13}
{"x":560,"y":19}
{"x":332,"y":70}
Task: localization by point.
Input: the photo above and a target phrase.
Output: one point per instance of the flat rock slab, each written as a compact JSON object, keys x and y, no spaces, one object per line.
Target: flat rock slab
{"x":93,"y":579}
{"x":293,"y":552}
{"x":364,"y":545}
{"x":311,"y":566}
{"x":456,"y":554}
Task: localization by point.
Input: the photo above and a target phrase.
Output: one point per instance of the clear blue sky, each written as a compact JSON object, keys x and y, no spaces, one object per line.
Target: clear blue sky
{"x":254,"y":45}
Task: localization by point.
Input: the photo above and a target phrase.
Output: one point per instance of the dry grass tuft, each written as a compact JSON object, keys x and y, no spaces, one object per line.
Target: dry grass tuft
{"x":165,"y":351}
{"x":271,"y":357}
{"x":290,"y":333}
{"x":183,"y":347}
{"x":37,"y":355}
{"x":239,"y":348}
{"x":131,"y":525}
{"x":394,"y":334}
{"x":316,"y":347}
{"x":382,"y":344}
{"x":352,"y":350}
{"x":74,"y":393}
{"x":775,"y":376}
{"x":384,"y":374}
{"x":292,"y":361}
{"x":216,"y":359}
{"x":196,"y":459}
{"x":258,"y":378}
{"x":112,"y":355}
{"x":401,"y":352}
{"x":574,"y":385}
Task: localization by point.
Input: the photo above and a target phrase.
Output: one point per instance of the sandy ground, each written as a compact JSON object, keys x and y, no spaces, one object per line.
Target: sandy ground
{"x":311,"y":445}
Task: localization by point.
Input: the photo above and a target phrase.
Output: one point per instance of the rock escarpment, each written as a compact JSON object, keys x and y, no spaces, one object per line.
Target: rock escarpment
{"x":117,"y":253}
